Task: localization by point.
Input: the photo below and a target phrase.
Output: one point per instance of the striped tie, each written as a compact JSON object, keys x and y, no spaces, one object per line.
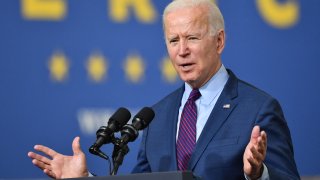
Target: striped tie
{"x":187,"y":131}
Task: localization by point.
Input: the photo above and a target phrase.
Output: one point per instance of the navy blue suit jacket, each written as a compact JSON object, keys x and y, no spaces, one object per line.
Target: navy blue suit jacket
{"x":219,"y":150}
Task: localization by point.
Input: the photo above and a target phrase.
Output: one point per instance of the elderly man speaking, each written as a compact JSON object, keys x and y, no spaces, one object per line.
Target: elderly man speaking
{"x":215,"y":125}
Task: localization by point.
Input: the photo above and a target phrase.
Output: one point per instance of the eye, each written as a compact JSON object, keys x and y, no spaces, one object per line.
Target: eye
{"x":193,"y":38}
{"x":173,"y":41}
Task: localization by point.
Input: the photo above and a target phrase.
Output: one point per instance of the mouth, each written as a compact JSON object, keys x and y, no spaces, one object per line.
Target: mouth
{"x":187,"y":66}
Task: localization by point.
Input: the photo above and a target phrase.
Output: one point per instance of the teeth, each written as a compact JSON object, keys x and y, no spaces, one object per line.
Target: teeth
{"x":186,"y":66}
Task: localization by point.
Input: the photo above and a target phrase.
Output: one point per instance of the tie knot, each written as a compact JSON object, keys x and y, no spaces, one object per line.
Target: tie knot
{"x":194,"y":95}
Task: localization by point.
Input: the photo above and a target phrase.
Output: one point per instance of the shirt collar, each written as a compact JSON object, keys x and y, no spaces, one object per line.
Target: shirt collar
{"x":212,"y":88}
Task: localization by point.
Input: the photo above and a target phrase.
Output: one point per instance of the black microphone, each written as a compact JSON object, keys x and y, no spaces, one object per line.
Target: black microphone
{"x":140,"y":121}
{"x":105,"y":134}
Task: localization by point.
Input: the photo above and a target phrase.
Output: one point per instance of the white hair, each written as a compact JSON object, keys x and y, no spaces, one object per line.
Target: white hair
{"x":215,"y":17}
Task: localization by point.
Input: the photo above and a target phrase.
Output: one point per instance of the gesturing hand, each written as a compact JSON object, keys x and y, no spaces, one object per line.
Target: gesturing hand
{"x":255,"y":154}
{"x":60,"y":166}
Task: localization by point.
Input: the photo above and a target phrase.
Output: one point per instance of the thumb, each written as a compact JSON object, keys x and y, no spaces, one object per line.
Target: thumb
{"x":76,"y":146}
{"x":255,"y":134}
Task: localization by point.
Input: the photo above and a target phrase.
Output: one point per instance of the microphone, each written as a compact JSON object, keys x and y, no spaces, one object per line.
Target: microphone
{"x":129,"y":133}
{"x":105,"y":134}
{"x":140,"y":121}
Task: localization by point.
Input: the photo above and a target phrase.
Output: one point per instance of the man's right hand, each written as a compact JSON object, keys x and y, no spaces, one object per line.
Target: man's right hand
{"x":60,"y":166}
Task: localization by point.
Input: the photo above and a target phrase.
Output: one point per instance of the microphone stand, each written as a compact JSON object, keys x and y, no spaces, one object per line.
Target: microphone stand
{"x":118,"y":155}
{"x":96,"y":151}
{"x":95,"y":148}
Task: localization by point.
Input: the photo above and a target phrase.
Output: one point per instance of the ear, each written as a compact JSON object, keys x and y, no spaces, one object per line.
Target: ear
{"x":220,"y":41}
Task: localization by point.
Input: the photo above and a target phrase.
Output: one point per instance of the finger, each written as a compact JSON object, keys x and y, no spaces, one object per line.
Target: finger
{"x":76,"y":146}
{"x":46,"y":150}
{"x":261,"y":147}
{"x":262,"y":143}
{"x":254,"y":164}
{"x":248,"y":152}
{"x":257,"y":156}
{"x":255,"y":160}
{"x":264,"y":134}
{"x":255,"y":134}
{"x":264,"y":138}
{"x":38,"y":157}
{"x":41,"y":165}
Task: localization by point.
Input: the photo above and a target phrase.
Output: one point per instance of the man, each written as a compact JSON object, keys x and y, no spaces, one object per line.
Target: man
{"x":214,"y":125}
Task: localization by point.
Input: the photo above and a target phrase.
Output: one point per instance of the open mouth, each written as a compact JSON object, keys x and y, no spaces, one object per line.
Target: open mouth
{"x":187,"y":66}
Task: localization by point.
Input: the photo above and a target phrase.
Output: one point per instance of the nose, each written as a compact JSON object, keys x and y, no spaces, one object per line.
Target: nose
{"x":183,"y":49}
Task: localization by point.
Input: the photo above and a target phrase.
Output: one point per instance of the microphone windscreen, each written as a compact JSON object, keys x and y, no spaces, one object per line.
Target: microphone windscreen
{"x":121,"y":117}
{"x":146,"y":115}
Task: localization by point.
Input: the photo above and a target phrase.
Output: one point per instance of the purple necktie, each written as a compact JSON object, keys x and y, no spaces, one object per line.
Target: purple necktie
{"x":187,"y":131}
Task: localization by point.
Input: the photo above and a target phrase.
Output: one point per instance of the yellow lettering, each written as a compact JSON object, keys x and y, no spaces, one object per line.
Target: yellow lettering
{"x":279,"y":15}
{"x":143,"y":9}
{"x":43,"y":9}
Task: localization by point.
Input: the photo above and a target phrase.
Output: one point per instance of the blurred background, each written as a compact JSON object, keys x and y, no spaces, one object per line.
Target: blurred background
{"x":67,"y":65}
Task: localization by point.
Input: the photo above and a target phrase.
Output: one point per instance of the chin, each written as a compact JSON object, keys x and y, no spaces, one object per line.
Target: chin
{"x":191,"y":82}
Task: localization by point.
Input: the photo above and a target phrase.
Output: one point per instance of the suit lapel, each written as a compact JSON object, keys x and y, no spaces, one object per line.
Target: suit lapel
{"x":172,"y":115}
{"x":218,"y":116}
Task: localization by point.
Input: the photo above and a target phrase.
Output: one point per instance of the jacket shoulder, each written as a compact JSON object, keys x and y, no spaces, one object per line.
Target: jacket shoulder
{"x":172,"y":98}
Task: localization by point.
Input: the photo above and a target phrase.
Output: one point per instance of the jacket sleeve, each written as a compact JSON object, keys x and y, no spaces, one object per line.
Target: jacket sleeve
{"x":142,"y":165}
{"x":280,"y":156}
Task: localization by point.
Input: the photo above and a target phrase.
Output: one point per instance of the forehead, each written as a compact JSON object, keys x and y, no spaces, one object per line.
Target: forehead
{"x":186,"y":19}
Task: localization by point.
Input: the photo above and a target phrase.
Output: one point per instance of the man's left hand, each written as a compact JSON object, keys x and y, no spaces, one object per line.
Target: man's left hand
{"x":255,"y":154}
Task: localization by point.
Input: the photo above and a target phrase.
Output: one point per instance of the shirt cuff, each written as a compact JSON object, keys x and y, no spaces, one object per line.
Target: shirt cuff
{"x":264,"y":176}
{"x":90,"y":174}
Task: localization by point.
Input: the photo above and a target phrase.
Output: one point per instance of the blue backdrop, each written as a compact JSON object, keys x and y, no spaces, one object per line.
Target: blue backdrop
{"x":66,"y":66}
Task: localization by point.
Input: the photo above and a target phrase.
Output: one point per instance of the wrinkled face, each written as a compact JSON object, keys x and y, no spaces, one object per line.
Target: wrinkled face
{"x":194,"y":52}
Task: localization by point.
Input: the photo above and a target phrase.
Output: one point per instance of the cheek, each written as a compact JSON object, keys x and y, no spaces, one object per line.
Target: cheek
{"x":172,"y":54}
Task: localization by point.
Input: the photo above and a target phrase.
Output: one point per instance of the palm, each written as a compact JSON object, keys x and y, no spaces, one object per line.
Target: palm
{"x":246,"y":164}
{"x":59,"y":165}
{"x":68,"y":166}
{"x":255,"y":153}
